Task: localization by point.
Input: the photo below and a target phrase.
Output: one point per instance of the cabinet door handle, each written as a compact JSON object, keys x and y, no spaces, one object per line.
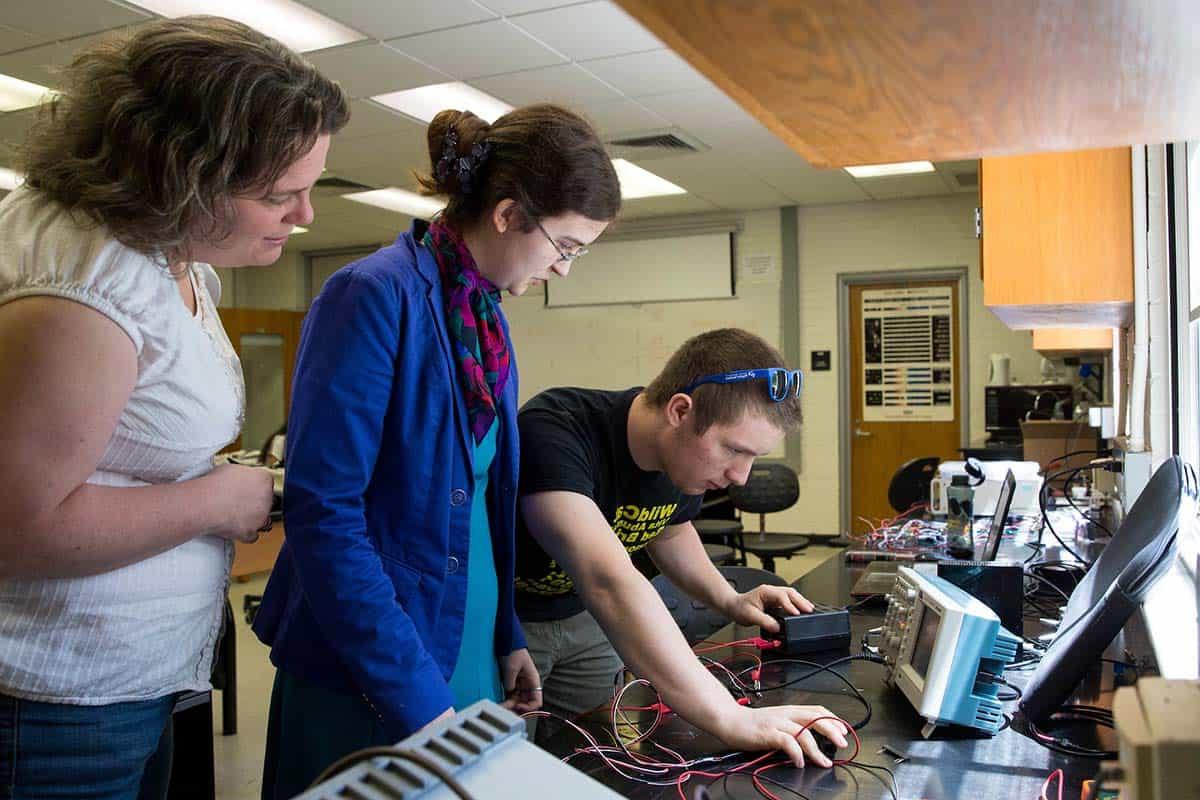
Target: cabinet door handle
{"x":859,"y":432}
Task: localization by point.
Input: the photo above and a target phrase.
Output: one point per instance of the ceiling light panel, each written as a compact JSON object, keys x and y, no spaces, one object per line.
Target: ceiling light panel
{"x":637,"y":182}
{"x":889,"y":170}
{"x":16,"y":94}
{"x":401,"y":201}
{"x":297,"y":26}
{"x":424,"y":102}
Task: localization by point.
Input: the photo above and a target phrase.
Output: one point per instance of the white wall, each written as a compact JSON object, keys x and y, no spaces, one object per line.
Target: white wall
{"x":879,"y":236}
{"x":625,"y":345}
{"x":280,"y":285}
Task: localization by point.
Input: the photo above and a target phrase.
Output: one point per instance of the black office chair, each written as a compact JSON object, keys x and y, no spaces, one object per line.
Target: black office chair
{"x":910,"y":484}
{"x":696,"y":620}
{"x":770,"y":488}
{"x":719,"y":554}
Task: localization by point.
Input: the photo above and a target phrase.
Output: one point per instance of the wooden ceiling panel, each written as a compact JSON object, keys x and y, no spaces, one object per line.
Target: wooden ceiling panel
{"x":874,"y":81}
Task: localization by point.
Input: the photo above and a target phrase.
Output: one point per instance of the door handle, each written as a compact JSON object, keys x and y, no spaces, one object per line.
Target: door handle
{"x":859,"y":432}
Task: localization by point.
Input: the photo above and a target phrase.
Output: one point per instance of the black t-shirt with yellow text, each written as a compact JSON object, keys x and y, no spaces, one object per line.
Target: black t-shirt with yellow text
{"x":576,"y":440}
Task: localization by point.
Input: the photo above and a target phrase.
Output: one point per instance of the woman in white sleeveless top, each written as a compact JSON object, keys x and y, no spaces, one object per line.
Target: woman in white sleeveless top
{"x":193,"y":144}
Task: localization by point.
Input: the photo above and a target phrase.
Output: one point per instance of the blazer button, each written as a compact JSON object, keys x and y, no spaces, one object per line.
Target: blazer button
{"x":458,"y":497}
{"x":452,"y":564}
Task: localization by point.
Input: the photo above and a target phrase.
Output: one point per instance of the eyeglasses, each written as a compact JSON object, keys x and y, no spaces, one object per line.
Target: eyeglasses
{"x":781,"y":383}
{"x":563,"y":255}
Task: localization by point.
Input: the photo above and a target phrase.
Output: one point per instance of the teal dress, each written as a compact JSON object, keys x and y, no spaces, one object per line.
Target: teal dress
{"x":347,"y":721}
{"x":477,"y":672}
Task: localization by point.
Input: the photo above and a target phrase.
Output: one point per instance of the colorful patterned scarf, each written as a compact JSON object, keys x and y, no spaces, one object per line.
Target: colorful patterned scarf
{"x":473,"y":314}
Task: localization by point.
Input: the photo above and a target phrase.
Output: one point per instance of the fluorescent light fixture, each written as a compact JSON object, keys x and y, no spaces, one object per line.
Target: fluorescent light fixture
{"x":299,"y":229}
{"x":10,"y":179}
{"x":888,"y":170}
{"x":16,"y":94}
{"x":401,"y":201}
{"x":297,"y":26}
{"x":424,"y":102}
{"x":637,"y":182}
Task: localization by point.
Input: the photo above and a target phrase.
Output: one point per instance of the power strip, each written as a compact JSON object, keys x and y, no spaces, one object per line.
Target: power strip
{"x":826,"y":628}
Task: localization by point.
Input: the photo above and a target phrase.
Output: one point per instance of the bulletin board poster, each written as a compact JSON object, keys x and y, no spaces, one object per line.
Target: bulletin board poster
{"x":908,"y":354}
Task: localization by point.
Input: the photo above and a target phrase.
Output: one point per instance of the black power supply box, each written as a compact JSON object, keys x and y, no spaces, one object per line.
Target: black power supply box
{"x":826,"y":628}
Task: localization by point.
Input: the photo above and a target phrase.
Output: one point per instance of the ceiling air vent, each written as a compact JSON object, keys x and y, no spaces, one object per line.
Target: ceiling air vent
{"x":967,"y":180}
{"x":661,"y":143}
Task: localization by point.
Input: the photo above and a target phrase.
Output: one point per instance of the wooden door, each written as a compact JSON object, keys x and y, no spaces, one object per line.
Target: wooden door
{"x":879,"y":446}
{"x":266,"y":341}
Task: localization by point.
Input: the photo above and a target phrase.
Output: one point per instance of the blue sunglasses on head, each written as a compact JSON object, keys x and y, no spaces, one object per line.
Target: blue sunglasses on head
{"x":781,"y":383}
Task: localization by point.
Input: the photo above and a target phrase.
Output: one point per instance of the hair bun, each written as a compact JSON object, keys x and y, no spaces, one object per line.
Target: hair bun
{"x":457,"y":149}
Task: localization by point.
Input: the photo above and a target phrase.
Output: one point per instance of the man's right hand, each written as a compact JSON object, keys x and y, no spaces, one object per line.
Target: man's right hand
{"x":778,"y":728}
{"x":245,"y":494}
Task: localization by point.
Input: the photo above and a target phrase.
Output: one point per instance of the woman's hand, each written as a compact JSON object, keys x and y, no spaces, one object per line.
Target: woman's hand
{"x":246,"y":494}
{"x":522,"y":684}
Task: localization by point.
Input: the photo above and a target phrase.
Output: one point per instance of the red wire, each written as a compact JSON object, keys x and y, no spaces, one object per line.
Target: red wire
{"x":1050,"y":777}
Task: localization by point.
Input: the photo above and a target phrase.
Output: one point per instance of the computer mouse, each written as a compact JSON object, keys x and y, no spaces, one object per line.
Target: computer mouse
{"x":828,"y":747}
{"x":925,"y":557}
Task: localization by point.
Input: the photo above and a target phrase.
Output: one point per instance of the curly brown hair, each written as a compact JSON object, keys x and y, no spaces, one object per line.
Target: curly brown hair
{"x":714,"y":353}
{"x":547,"y":158}
{"x":153,"y":136}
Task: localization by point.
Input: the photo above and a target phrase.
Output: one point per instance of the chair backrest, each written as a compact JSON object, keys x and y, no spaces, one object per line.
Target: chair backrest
{"x":769,"y":488}
{"x":910,"y":484}
{"x":696,"y":620}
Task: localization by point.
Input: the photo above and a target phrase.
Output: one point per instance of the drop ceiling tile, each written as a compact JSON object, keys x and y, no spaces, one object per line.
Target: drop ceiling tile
{"x":513,"y":7}
{"x":389,"y":20}
{"x":671,"y":204}
{"x":369,"y":69}
{"x":589,"y":30}
{"x":39,"y":64}
{"x":647,"y":74}
{"x":623,"y":117}
{"x":698,"y":107}
{"x":922,"y":185}
{"x":13,"y":126}
{"x":64,"y":19}
{"x":478,"y":51}
{"x":567,"y":84}
{"x":13,"y":39}
{"x":368,"y":118}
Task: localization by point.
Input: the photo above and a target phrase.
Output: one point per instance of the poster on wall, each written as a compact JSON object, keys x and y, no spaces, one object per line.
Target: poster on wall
{"x":908,"y":358}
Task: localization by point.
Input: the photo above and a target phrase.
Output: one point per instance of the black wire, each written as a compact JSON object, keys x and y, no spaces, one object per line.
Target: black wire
{"x":1045,"y":582}
{"x":1043,"y":496}
{"x":892,"y":788}
{"x":1060,"y":744}
{"x":1100,"y":453}
{"x":819,"y":668}
{"x":1016,"y":695}
{"x":724,"y":781}
{"x":424,"y":762}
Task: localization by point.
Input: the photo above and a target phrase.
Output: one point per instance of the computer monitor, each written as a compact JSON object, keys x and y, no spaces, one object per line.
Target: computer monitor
{"x":991,"y":545}
{"x":1138,"y":554}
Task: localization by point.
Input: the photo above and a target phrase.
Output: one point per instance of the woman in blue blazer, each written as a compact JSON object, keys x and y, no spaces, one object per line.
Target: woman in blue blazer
{"x":391,"y":603}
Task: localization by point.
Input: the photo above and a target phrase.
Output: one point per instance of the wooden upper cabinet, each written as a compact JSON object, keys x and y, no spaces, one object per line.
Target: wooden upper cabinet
{"x":1057,"y":342}
{"x":871,"y":81}
{"x":1057,"y":247}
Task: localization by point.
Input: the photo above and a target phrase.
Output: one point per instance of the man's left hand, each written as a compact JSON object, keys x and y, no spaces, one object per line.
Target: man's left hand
{"x":749,"y":608}
{"x":522,"y":684}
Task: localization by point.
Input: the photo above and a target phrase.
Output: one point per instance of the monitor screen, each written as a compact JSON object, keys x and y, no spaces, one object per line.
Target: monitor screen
{"x":926,"y":636}
{"x":996,"y":532}
{"x":1138,"y":554}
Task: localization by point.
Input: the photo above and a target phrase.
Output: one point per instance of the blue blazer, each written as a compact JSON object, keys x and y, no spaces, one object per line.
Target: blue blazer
{"x":369,"y":591}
